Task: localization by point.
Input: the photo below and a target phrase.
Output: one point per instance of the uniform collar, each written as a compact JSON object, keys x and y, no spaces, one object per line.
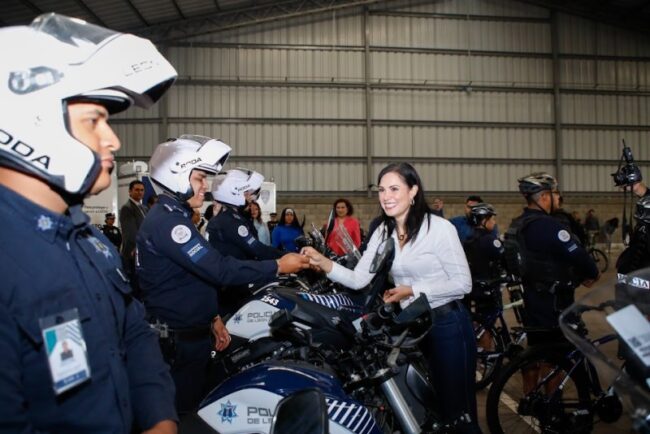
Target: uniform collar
{"x":46,"y":223}
{"x":173,"y":204}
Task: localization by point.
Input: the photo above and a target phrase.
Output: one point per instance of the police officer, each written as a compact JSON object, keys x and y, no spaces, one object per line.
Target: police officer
{"x":550,"y":263}
{"x":77,"y":355}
{"x":232,"y":233}
{"x":111,"y":231}
{"x":179,"y":271}
{"x":484,"y":254}
{"x":554,"y":264}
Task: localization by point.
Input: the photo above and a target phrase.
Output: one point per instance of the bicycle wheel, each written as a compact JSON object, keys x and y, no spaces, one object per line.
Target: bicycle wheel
{"x":489,"y":357}
{"x":546,"y":408}
{"x":600,"y":258}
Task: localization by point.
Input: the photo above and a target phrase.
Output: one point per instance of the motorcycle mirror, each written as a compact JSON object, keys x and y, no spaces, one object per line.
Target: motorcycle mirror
{"x":384,"y":253}
{"x":304,"y":411}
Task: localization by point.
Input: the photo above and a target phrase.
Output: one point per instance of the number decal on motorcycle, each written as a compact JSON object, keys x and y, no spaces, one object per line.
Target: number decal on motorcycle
{"x":270,"y":300}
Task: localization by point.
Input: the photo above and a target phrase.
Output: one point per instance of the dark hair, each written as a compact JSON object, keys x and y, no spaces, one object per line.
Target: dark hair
{"x":134,"y":183}
{"x":152,"y":200}
{"x":259,"y":216}
{"x":347,"y":204}
{"x":295,"y":222}
{"x":473,"y":198}
{"x":419,"y":210}
{"x":209,"y":213}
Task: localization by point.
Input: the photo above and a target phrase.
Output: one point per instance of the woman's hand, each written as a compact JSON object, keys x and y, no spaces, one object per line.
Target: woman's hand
{"x":221,"y":335}
{"x":396,"y":294}
{"x":317,"y":260}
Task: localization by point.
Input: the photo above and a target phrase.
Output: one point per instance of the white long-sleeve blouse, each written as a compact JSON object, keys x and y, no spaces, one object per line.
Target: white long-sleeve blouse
{"x":433,"y":264}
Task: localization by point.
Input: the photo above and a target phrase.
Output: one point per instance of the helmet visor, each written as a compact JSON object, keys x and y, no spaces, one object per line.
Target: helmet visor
{"x":84,"y":37}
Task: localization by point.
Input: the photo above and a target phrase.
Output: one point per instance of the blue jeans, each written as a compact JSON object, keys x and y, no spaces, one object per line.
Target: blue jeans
{"x":450,"y":350}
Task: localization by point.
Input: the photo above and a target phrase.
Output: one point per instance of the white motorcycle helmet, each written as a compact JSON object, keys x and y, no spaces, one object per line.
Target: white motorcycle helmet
{"x":173,"y":161}
{"x":229,"y":187}
{"x":56,"y":60}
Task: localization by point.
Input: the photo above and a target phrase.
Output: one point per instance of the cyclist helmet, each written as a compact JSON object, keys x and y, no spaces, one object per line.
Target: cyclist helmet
{"x":479,"y":212}
{"x":229,"y":187}
{"x":643,"y":209}
{"x":172,"y":163}
{"x":536,"y":182}
{"x":57,"y":60}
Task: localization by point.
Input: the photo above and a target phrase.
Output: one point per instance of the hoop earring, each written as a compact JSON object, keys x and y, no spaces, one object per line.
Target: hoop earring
{"x":412,"y":202}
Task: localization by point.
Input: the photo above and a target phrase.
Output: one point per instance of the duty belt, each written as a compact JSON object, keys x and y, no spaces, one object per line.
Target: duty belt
{"x":188,"y":334}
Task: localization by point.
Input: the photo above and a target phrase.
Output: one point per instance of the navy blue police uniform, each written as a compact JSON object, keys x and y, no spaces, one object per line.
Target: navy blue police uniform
{"x":113,"y":234}
{"x":78,"y":269}
{"x":484,"y":252}
{"x":233,"y":234}
{"x":179,"y":272}
{"x":555,"y":265}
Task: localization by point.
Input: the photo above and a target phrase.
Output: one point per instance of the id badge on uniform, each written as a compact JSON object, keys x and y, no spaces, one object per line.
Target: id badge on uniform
{"x":66,"y":350}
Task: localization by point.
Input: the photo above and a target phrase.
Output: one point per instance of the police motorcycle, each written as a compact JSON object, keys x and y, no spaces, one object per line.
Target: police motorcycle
{"x":620,"y":313}
{"x":249,"y":327}
{"x":376,"y":384}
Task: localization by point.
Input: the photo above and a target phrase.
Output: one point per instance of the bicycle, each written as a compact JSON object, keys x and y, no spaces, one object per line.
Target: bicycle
{"x":564,"y":398}
{"x":504,"y":342}
{"x":599,"y":257}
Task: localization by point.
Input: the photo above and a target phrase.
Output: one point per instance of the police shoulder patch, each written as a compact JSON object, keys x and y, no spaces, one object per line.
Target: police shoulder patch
{"x":242,"y":231}
{"x":181,"y":234}
{"x":497,"y":243}
{"x":564,"y":235}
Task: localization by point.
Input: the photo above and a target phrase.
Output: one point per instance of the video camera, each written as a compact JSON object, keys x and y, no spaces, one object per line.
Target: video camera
{"x":628,"y":173}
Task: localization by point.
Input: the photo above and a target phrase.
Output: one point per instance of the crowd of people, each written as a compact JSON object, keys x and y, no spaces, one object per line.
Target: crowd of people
{"x":189,"y":270}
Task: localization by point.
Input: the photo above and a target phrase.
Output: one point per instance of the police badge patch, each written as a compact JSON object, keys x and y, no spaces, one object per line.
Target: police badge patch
{"x":181,"y":234}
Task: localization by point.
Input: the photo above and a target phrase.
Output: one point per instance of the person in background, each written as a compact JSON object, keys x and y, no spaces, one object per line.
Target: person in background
{"x":272,"y":223}
{"x":429,"y":261}
{"x":151,"y":201}
{"x":131,"y":216}
{"x":569,"y":222}
{"x":343,"y":211}
{"x":285,"y":233}
{"x":461,"y":222}
{"x":61,"y":79}
{"x":438,"y":206}
{"x":592,"y":225}
{"x":111,"y":231}
{"x":262,"y":229}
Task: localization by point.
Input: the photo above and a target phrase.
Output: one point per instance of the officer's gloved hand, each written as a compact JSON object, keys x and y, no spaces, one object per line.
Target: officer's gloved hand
{"x":292,"y":263}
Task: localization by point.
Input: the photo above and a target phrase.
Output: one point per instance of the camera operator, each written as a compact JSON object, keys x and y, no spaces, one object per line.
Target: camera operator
{"x":637,"y":254}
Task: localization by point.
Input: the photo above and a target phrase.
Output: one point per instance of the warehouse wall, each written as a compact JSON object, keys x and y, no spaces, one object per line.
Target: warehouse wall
{"x":475,"y":93}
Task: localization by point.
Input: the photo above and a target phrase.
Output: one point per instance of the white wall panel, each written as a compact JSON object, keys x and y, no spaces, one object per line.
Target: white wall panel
{"x":279,"y":140}
{"x":484,"y":7}
{"x":137,"y":139}
{"x":604,"y":145}
{"x":449,"y":142}
{"x":326,"y":29}
{"x":272,"y":102}
{"x":463,"y":106}
{"x":471,"y":177}
{"x":266,"y":140}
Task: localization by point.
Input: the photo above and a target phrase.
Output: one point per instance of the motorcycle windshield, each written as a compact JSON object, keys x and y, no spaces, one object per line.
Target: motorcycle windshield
{"x":618,"y":328}
{"x":345,"y":242}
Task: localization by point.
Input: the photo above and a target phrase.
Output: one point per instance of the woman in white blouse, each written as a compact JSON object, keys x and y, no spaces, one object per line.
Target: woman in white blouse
{"x":429,"y":260}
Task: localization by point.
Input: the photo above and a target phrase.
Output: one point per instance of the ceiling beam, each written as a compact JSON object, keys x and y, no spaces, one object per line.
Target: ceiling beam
{"x":31,"y":6}
{"x":242,"y":17}
{"x":137,"y":12}
{"x":178,"y":10}
{"x":90,"y":12}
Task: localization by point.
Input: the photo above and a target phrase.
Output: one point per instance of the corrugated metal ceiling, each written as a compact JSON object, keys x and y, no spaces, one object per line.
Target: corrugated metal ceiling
{"x":164,"y":18}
